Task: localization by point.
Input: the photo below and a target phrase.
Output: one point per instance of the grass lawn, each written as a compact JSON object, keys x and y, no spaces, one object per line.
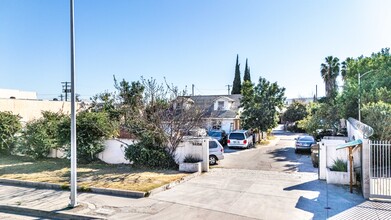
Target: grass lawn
{"x":97,"y":174}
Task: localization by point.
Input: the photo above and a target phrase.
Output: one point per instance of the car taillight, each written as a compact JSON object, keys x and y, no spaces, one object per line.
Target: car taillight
{"x":222,"y":150}
{"x":228,"y":141}
{"x":245,"y":142}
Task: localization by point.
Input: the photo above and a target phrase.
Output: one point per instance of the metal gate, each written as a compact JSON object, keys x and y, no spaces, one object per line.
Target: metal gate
{"x":380,"y":169}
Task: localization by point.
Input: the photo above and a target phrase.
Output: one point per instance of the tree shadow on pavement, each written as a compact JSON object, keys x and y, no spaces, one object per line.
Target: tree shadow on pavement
{"x":299,"y":162}
{"x":331,"y":200}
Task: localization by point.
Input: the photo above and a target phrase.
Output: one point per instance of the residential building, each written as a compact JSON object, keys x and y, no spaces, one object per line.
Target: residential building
{"x":221,"y":111}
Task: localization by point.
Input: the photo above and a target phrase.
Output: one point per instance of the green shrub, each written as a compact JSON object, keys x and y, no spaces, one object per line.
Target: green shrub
{"x":92,"y":129}
{"x":148,"y":153}
{"x":35,"y":141}
{"x":40,"y":136}
{"x":339,"y":166}
{"x":9,"y":127}
{"x":192,"y":159}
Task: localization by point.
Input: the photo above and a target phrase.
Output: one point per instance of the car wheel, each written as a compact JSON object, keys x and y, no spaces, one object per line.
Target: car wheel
{"x":212,"y":160}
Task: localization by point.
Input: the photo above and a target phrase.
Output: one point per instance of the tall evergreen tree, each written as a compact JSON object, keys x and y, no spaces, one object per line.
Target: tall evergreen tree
{"x":237,"y":85}
{"x":247,"y":76}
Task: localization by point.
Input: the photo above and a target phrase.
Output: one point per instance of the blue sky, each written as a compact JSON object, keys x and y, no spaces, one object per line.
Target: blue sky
{"x":187,"y":42}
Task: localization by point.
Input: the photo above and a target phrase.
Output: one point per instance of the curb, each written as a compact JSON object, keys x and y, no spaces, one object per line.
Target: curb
{"x":45,"y":214}
{"x":115,"y":192}
{"x":172,"y":184}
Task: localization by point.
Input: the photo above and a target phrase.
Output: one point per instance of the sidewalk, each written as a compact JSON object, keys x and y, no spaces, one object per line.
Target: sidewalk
{"x":222,"y":194}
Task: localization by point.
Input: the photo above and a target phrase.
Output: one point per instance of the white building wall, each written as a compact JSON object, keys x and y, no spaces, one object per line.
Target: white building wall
{"x":328,"y":154}
{"x":355,"y":134}
{"x":198,"y":147}
{"x":17,"y":94}
{"x":32,"y":109}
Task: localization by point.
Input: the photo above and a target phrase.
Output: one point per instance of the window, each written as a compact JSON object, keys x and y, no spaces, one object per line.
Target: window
{"x":212,"y":144}
{"x":237,"y":136}
{"x":220,"y":105}
{"x":216,"y":124}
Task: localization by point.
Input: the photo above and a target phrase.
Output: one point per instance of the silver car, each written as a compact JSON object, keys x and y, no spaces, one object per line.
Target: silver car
{"x":216,"y":151}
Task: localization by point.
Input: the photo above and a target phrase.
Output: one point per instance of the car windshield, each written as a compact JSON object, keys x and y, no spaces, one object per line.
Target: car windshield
{"x":236,"y":136}
{"x":306,"y":138}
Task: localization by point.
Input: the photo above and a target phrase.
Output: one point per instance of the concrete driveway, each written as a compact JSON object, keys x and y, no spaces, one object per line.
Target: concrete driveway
{"x":267,"y":182}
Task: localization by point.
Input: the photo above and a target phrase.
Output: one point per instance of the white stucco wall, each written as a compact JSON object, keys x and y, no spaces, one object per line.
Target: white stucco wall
{"x":328,"y":154}
{"x":114,"y":152}
{"x":198,"y":147}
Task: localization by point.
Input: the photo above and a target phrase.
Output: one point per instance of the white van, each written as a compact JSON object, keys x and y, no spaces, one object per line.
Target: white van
{"x":240,"y":138}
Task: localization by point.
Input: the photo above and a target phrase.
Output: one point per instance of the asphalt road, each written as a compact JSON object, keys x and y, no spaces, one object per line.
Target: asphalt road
{"x":278,"y":156}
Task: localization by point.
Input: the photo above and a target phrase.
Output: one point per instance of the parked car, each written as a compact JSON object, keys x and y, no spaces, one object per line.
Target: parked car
{"x":219,"y":135}
{"x":216,"y":151}
{"x":240,"y":138}
{"x":304,"y":143}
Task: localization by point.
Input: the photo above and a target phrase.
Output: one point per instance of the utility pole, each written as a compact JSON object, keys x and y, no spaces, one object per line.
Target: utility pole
{"x":316,"y":92}
{"x":61,"y":97}
{"x":192,"y":89}
{"x":229,"y":88}
{"x":66,"y":88}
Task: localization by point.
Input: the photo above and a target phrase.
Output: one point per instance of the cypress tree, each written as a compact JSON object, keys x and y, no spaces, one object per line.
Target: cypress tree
{"x":247,"y":76}
{"x":237,"y":85}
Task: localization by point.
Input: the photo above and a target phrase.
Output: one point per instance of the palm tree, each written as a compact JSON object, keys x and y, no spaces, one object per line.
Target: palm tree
{"x":330,"y":71}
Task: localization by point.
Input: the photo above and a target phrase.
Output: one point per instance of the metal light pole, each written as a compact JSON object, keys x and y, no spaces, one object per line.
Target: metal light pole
{"x":73,"y":196}
{"x":359,"y":92}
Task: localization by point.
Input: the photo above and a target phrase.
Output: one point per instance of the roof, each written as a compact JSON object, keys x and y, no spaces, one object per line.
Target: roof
{"x":207,"y":102}
{"x":349,"y":144}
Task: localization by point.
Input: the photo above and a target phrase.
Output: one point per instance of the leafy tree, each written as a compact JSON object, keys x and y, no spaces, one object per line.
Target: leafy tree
{"x":159,"y":124}
{"x":295,"y":112}
{"x":378,"y":116}
{"x":247,"y":76}
{"x":105,"y":102}
{"x":236,"y":86}
{"x":329,"y":72}
{"x":321,"y":116}
{"x":375,"y":86}
{"x":130,"y":97}
{"x":260,"y":104}
{"x":9,"y":126}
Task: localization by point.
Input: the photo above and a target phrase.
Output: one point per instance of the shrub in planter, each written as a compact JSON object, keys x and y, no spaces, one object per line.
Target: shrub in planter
{"x":339,"y":166}
{"x":191,"y":164}
{"x":192,"y":159}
